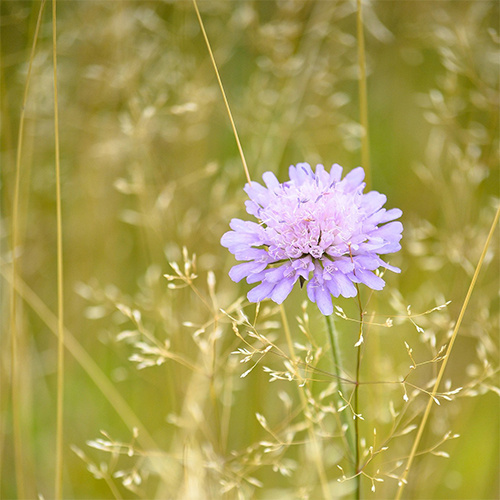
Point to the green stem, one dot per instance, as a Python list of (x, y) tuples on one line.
[(332, 335), (356, 423), (356, 397)]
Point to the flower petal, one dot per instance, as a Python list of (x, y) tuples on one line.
[(385, 265), (369, 261), (353, 180), (283, 289), (237, 239), (324, 301), (257, 193), (335, 173), (391, 231), (347, 289), (300, 173), (389, 248), (237, 273), (373, 201), (370, 279), (333, 287), (384, 215), (260, 292), (270, 179)]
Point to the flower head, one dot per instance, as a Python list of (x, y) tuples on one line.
[(316, 227)]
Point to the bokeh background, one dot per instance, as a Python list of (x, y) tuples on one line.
[(150, 166)]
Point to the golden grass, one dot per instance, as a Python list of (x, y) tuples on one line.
[(145, 167)]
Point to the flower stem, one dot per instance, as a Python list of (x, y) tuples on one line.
[(356, 422), (359, 345), (352, 435)]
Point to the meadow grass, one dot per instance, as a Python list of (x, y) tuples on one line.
[(122, 164)]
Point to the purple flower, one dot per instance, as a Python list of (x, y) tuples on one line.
[(316, 227)]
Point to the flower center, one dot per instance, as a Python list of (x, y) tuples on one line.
[(306, 220)]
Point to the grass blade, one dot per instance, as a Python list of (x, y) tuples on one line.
[(235, 132)]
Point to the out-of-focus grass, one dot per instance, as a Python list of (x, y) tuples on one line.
[(149, 165)]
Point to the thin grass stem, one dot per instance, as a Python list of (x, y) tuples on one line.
[(312, 435), (15, 383), (213, 391), (427, 412), (235, 132), (365, 161), (363, 100), (60, 291)]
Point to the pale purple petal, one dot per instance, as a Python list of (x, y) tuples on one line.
[(335, 173), (384, 215), (282, 290), (347, 289), (245, 226), (389, 248), (322, 175), (369, 261), (256, 277), (253, 208), (345, 264), (303, 266), (237, 273), (300, 172), (312, 287), (232, 238), (333, 286), (394, 269), (257, 193), (275, 275), (353, 180), (373, 201), (270, 179), (324, 300), (260, 292), (390, 231), (370, 279)]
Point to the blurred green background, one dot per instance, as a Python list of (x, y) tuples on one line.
[(150, 165)]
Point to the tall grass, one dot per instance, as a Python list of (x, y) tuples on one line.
[(58, 488), (174, 385), (15, 390)]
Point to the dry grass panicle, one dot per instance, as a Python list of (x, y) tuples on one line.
[(175, 385)]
